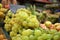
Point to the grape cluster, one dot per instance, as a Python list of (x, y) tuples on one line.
[(23, 18), (36, 34)]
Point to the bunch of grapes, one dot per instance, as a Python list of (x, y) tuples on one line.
[(19, 33), (23, 18), (32, 21), (36, 34)]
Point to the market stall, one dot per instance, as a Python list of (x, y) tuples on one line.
[(31, 22)]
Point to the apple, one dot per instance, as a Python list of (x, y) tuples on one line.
[(48, 24)]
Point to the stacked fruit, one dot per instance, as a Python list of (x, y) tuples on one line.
[(49, 25), (22, 18), (43, 16), (2, 13), (36, 34), (24, 25)]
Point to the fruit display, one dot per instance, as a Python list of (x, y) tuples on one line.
[(45, 16), (25, 25), (36, 34), (49, 25), (22, 18)]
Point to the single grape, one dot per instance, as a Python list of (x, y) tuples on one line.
[(27, 32), (40, 38), (15, 27), (56, 37), (24, 23), (12, 34), (44, 36), (8, 27), (31, 37), (52, 31), (25, 38), (37, 33)]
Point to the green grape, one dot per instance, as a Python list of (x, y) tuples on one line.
[(18, 24), (15, 27), (56, 37), (52, 31), (20, 30), (37, 33), (25, 38), (57, 33), (8, 27), (24, 10), (44, 36), (40, 38), (17, 20), (27, 32), (23, 15), (18, 35), (10, 13), (7, 19), (16, 38), (30, 24), (31, 37), (12, 34), (25, 24), (49, 36), (11, 22), (13, 38), (36, 24)]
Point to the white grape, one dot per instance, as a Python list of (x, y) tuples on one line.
[(12, 34), (37, 32), (27, 32)]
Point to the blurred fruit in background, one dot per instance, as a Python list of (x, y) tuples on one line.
[(1, 5)]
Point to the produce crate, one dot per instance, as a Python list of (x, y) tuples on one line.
[(4, 33)]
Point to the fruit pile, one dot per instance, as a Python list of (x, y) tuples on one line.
[(22, 18), (36, 34), (49, 25), (2, 13), (24, 25), (43, 16)]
